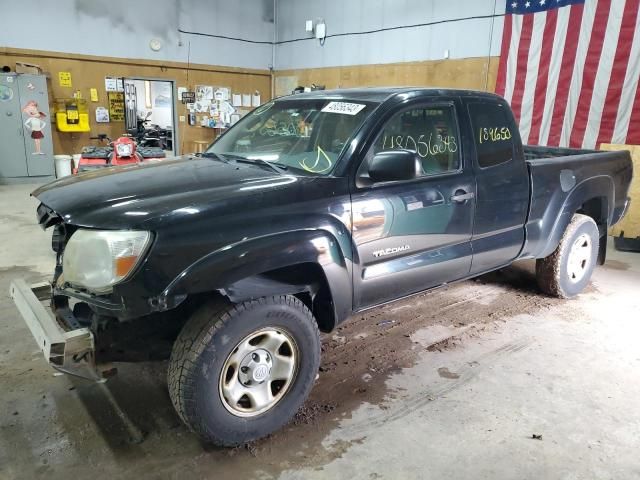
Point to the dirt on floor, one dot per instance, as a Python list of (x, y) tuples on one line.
[(130, 421)]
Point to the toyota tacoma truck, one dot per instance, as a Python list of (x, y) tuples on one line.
[(311, 208)]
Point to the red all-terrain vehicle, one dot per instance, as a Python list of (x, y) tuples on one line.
[(122, 151)]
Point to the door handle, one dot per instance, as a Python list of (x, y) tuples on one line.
[(462, 196)]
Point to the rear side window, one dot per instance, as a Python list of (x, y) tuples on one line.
[(493, 133)]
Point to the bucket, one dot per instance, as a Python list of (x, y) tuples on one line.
[(63, 165), (76, 160)]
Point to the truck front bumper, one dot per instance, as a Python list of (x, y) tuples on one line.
[(70, 351)]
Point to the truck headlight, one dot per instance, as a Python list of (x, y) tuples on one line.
[(98, 259)]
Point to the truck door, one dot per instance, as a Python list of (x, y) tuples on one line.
[(413, 235), (502, 180)]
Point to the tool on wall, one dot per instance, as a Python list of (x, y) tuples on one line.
[(130, 105)]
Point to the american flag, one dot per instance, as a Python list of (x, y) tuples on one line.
[(570, 69)]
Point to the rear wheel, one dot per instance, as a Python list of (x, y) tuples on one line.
[(568, 269), (240, 371)]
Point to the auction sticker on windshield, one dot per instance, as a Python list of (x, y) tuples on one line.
[(343, 107)]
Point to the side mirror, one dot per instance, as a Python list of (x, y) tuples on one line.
[(393, 165)]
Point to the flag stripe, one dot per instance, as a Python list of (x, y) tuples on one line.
[(621, 66), (566, 70), (539, 97), (586, 45), (512, 60), (523, 57), (591, 71), (633, 134), (629, 89), (571, 70), (554, 73), (603, 75), (533, 62), (504, 54)]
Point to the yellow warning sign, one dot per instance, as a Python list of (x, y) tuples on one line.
[(65, 79)]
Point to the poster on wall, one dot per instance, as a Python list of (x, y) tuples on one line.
[(116, 106), (204, 92), (113, 84), (188, 97), (102, 115), (64, 79), (161, 94)]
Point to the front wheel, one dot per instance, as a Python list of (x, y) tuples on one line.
[(240, 371), (567, 271)]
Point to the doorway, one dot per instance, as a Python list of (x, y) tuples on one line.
[(150, 109)]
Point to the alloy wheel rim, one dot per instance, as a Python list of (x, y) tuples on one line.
[(579, 259), (258, 372)]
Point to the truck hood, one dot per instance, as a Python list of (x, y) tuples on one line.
[(141, 196)]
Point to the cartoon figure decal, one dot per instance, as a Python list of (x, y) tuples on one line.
[(35, 124)]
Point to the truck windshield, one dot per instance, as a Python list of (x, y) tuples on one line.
[(305, 135)]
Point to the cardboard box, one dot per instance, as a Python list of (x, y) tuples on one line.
[(629, 226), (31, 68)]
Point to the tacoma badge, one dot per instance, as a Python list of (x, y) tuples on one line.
[(391, 250)]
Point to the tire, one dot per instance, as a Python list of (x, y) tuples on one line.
[(208, 355), (567, 271)]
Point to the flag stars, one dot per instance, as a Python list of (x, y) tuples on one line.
[(514, 5), (527, 4), (542, 2)]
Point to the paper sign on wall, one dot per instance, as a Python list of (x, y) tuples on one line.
[(255, 100), (188, 97), (102, 115), (113, 84), (116, 106), (93, 94), (65, 79)]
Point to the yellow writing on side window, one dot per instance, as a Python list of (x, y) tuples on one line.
[(494, 134)]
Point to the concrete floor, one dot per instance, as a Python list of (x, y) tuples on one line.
[(464, 378)]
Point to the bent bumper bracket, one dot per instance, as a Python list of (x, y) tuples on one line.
[(69, 351)]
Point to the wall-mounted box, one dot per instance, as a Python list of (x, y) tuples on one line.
[(72, 115)]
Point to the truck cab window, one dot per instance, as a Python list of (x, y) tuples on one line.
[(429, 131), (493, 133), (306, 136)]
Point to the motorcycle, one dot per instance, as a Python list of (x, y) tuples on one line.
[(151, 135), (122, 151)]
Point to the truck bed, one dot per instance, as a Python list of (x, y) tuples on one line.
[(561, 178), (535, 152)]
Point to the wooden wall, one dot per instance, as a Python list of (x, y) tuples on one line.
[(629, 226), (459, 73), (89, 72)]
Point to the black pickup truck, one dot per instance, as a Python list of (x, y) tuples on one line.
[(311, 208)]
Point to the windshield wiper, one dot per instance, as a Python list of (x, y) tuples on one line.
[(217, 156), (277, 167)]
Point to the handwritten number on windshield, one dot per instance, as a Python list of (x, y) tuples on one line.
[(321, 164), (424, 146)]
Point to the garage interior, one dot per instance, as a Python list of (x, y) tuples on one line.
[(484, 378)]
